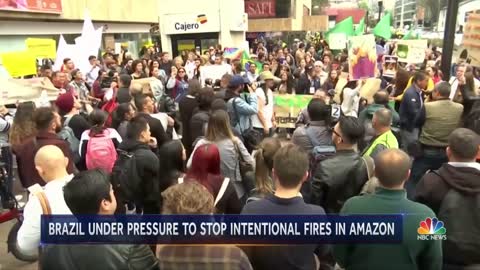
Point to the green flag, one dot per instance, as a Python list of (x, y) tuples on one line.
[(345, 27), (360, 28), (246, 60), (382, 29)]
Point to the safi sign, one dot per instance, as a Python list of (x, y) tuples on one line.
[(191, 23)]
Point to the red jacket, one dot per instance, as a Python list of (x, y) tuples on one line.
[(26, 154)]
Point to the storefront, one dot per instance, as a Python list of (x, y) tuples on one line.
[(199, 28)]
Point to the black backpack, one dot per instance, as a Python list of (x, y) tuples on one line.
[(125, 178), (460, 212)]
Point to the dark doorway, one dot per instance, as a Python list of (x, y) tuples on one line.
[(189, 42)]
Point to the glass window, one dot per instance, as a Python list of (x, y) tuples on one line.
[(185, 45), (206, 43)]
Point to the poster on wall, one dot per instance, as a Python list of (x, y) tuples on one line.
[(43, 6), (362, 57), (411, 51)]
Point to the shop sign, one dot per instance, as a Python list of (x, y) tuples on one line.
[(260, 8), (43, 6), (186, 23)]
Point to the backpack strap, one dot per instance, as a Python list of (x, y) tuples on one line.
[(67, 120), (38, 192), (222, 190), (370, 164)]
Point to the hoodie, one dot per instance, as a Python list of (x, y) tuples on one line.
[(433, 188), (370, 111), (148, 171)]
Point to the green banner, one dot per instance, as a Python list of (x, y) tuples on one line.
[(288, 107)]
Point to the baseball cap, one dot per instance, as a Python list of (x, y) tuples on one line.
[(236, 81)]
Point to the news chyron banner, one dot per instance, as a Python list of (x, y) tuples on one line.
[(221, 229)]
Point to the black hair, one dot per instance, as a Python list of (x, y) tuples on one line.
[(86, 191), (419, 76), (65, 60), (443, 88), (135, 127), (205, 98), (318, 110), (140, 100), (118, 115), (97, 119), (91, 57), (135, 63), (171, 163), (126, 80), (43, 117), (464, 144), (351, 128)]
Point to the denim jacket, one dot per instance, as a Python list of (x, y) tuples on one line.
[(245, 106)]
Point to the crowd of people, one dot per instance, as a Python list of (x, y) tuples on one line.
[(148, 136)]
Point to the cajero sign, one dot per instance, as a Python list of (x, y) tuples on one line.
[(188, 23)]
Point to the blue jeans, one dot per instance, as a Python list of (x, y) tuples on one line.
[(432, 159)]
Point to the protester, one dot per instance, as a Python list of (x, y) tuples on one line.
[(69, 108), (192, 198), (172, 164), (263, 169), (350, 98), (241, 106), (410, 107), (187, 107), (205, 169), (264, 120), (392, 169), (231, 148), (138, 70), (178, 84), (143, 147), (451, 193), (92, 75), (384, 137), (98, 144), (332, 79), (198, 123), (436, 126), (48, 123), (308, 82), (316, 132), (342, 176), (290, 170), (90, 193), (123, 92), (23, 126), (51, 165), (146, 107), (121, 116)]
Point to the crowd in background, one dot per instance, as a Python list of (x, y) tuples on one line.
[(150, 136)]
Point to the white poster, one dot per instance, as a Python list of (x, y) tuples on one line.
[(411, 51), (337, 41)]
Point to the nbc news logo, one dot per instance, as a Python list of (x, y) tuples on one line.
[(431, 229)]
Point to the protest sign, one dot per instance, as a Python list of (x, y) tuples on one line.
[(471, 39), (337, 41), (232, 53), (20, 63), (19, 90), (213, 72), (288, 107), (41, 47), (362, 57), (389, 66), (411, 51)]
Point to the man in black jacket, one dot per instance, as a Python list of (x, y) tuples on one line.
[(453, 193), (144, 148), (123, 92), (342, 176), (308, 82), (90, 193), (145, 107)]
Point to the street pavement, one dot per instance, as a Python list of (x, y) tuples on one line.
[(7, 261)]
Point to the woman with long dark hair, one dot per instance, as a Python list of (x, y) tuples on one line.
[(96, 132), (138, 70), (23, 126), (172, 163), (205, 169), (232, 149), (331, 81), (468, 96), (178, 83), (122, 114)]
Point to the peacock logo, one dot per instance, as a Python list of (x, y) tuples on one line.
[(431, 229)]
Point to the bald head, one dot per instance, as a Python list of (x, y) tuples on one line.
[(51, 163), (383, 117), (392, 168)]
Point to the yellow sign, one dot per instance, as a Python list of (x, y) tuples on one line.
[(41, 47), (20, 63)]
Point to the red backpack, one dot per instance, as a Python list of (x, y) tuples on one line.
[(101, 152), (110, 107)]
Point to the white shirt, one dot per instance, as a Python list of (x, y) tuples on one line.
[(190, 68), (473, 165), (267, 109), (28, 237), (92, 75), (351, 101), (163, 118)]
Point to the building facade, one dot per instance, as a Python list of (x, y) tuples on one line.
[(405, 13), (199, 26), (124, 21), (464, 8)]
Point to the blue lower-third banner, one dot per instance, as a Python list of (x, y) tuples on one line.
[(221, 229)]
